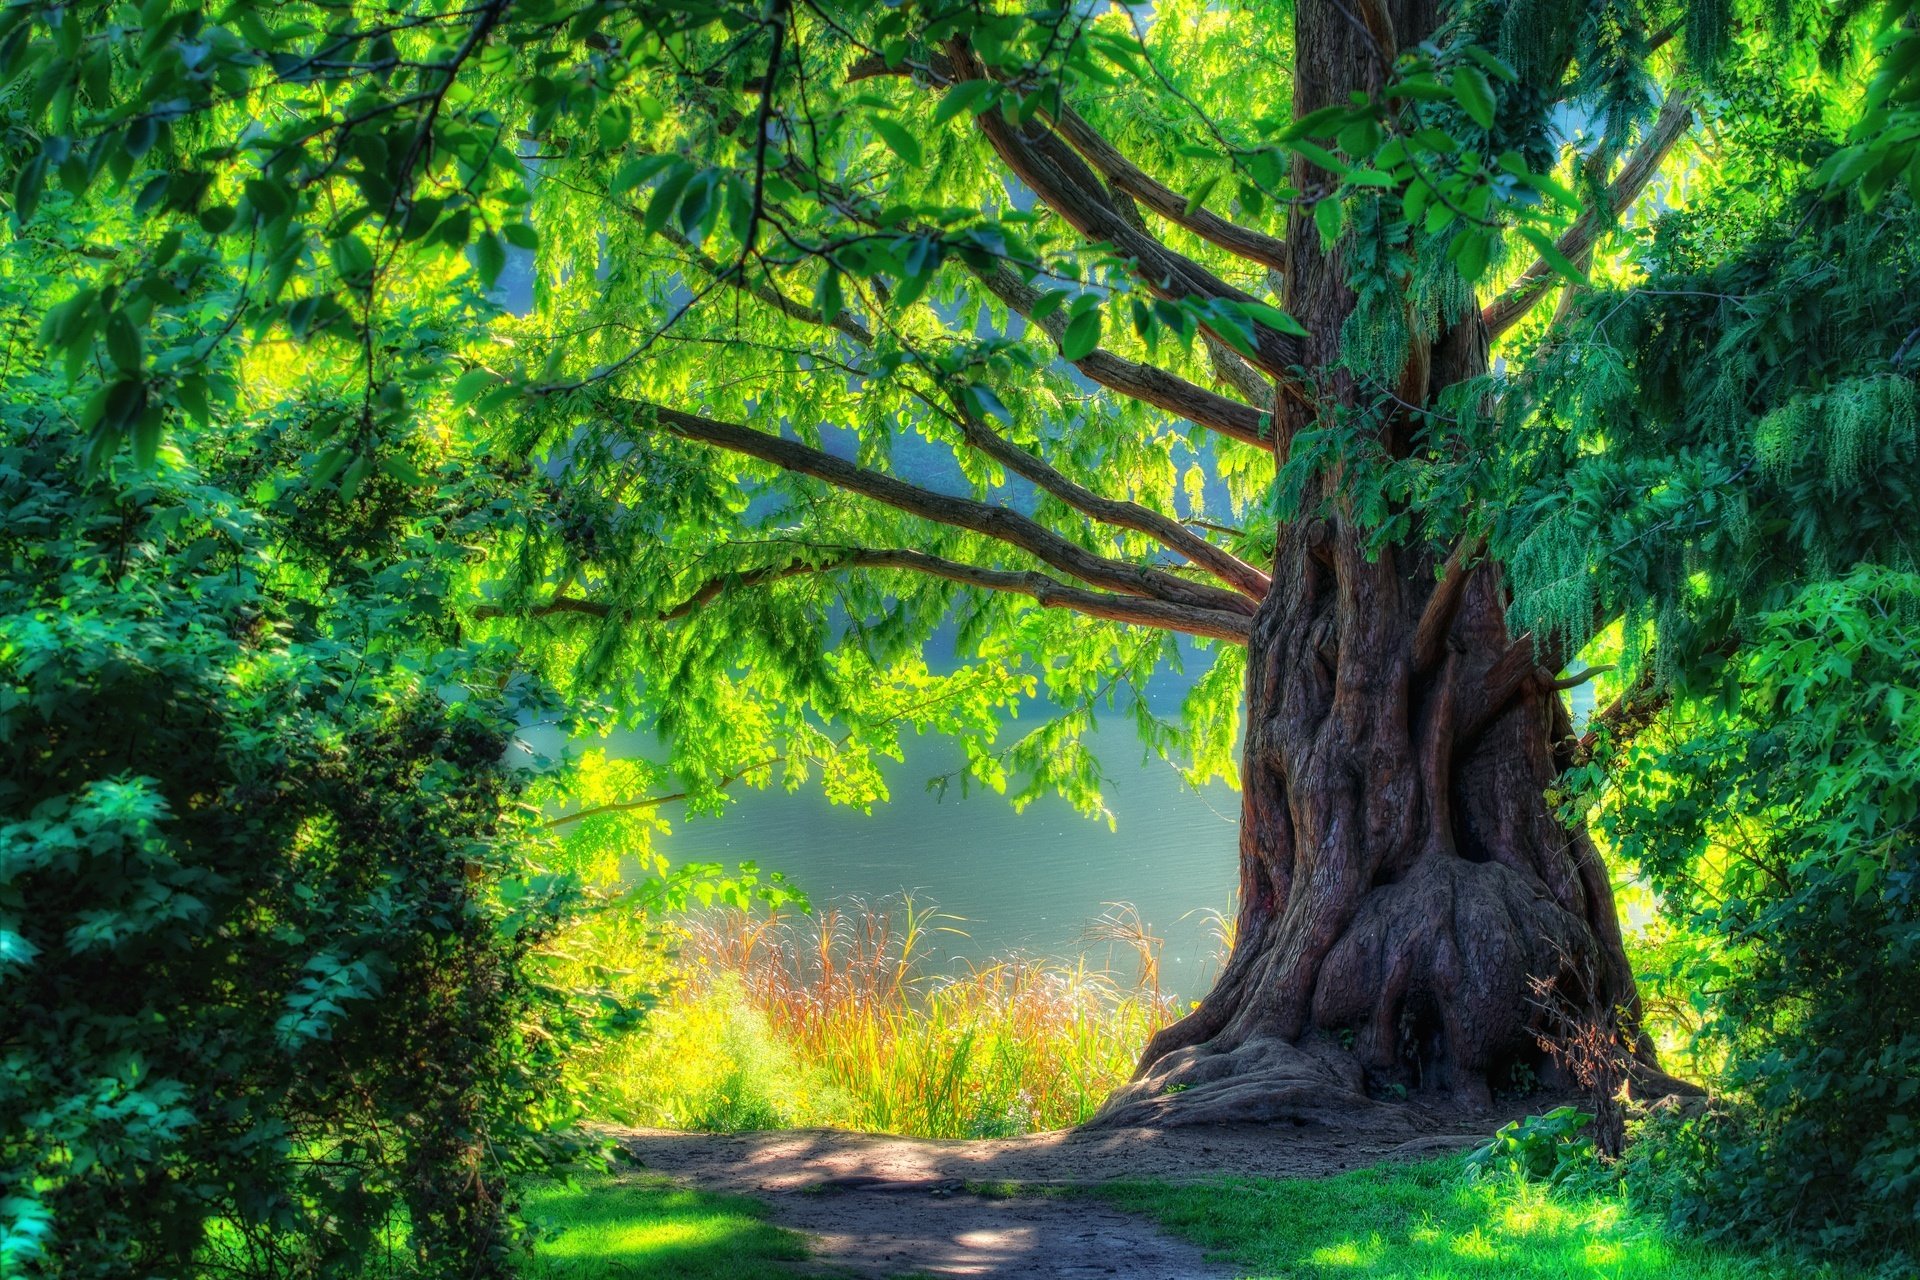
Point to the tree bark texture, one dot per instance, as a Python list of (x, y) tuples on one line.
[(1409, 903)]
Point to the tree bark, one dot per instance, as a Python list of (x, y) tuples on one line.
[(1409, 902)]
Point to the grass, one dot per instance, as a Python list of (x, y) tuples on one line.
[(637, 1226), (1426, 1222), (840, 1018)]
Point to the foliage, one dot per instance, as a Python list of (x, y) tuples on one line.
[(270, 886), (1734, 414), (812, 427), (770, 1021), (1398, 1222), (648, 1228), (1545, 1148), (1780, 822)]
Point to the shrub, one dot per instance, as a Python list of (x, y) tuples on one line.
[(1782, 823), (266, 914), (1548, 1148)]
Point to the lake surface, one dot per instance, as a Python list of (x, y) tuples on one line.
[(1030, 881)]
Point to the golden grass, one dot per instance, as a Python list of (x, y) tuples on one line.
[(780, 1019)]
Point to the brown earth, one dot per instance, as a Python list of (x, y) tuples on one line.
[(879, 1206)]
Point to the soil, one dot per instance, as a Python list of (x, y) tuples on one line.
[(879, 1206)]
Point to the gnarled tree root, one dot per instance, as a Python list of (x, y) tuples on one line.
[(1261, 1080)]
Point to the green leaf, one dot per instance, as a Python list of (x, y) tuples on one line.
[(1321, 156), (1474, 94), (898, 138), (489, 257), (27, 184), (972, 96), (666, 197), (1329, 215), (123, 342), (1273, 318), (1200, 194), (1469, 253), (1550, 251), (470, 384), (146, 436), (1498, 66), (1082, 335)]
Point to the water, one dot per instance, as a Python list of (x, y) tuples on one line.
[(1029, 882)]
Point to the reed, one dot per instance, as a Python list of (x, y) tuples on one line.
[(845, 1017)]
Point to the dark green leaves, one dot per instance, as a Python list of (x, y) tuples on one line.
[(1474, 94), (1082, 333), (898, 138)]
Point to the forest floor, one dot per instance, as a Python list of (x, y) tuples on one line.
[(877, 1206)]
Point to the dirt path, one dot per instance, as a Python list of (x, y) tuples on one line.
[(885, 1207)]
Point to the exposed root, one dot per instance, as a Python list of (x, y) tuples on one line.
[(1261, 1080)]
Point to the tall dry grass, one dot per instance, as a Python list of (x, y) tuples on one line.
[(844, 1017)]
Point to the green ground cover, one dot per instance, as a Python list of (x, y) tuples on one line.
[(1425, 1222), (640, 1226)]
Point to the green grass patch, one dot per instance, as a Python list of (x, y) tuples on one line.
[(636, 1226), (1427, 1222)]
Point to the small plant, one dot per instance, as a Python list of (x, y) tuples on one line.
[(1546, 1148)]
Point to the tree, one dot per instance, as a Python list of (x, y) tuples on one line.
[(850, 319)]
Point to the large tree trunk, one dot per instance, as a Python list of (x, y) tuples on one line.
[(1407, 894)]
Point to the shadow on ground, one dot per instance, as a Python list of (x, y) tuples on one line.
[(879, 1206)]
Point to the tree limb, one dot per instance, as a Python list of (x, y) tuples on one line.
[(1126, 515), (1436, 619), (993, 521), (1127, 177), (1147, 383), (1122, 174), (1676, 117), (1057, 174), (1048, 592)]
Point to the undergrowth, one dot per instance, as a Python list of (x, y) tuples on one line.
[(777, 1019)]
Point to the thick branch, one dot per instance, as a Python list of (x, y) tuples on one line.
[(1513, 671), (1057, 174), (1126, 515), (1127, 177), (1122, 174), (1048, 592), (1144, 382), (996, 522), (1675, 118)]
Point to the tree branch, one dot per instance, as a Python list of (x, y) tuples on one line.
[(1436, 619), (1127, 177), (1232, 626), (1000, 523), (1121, 174), (1144, 382), (1126, 515), (1057, 174), (1676, 117)]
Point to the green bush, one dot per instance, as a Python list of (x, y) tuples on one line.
[(1547, 1148), (1782, 823), (266, 915)]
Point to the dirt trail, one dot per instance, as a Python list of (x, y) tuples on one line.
[(884, 1207)]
